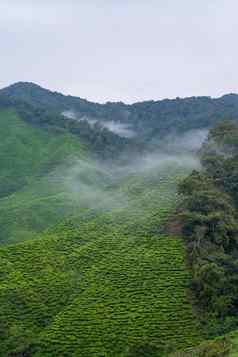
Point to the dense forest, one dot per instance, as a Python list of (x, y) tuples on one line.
[(209, 216), (150, 121)]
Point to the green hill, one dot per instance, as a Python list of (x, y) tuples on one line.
[(32, 162), (102, 284), (27, 153)]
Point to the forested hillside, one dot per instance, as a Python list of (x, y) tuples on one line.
[(150, 120), (209, 217), (118, 226)]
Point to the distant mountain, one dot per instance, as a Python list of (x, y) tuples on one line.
[(42, 108), (149, 120), (35, 95)]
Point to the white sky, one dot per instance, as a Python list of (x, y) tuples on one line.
[(128, 50)]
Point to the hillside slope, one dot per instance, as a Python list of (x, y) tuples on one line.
[(27, 152), (102, 284), (32, 196)]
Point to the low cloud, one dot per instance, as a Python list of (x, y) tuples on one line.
[(118, 128), (88, 185), (99, 185), (188, 142), (70, 114)]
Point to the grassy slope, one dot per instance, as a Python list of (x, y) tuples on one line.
[(32, 196), (102, 284)]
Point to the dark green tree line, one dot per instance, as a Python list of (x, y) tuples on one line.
[(210, 223)]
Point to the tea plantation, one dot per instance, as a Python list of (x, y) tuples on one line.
[(101, 284), (31, 160)]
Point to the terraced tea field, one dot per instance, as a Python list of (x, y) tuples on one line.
[(130, 295), (100, 284)]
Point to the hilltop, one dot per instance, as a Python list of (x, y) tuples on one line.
[(149, 120)]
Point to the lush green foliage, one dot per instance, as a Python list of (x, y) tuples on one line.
[(219, 347), (150, 120), (210, 224), (34, 163), (27, 153), (224, 346), (109, 281), (103, 284), (103, 143)]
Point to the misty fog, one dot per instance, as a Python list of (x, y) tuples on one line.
[(96, 185), (121, 129)]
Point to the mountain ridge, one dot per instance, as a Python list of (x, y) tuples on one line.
[(148, 119), (21, 85)]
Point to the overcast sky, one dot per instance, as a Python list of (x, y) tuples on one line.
[(128, 50)]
